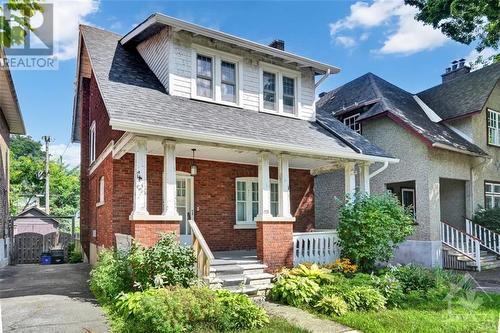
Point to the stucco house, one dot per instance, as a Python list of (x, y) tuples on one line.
[(448, 141), (11, 121), (205, 134)]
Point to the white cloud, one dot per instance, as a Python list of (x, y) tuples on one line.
[(404, 35), (68, 15), (70, 153), (345, 41), (474, 54)]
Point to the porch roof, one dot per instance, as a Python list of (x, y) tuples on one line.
[(137, 102)]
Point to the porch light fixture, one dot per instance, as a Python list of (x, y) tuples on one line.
[(194, 168)]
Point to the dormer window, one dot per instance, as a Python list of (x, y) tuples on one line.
[(279, 87), (353, 123), (228, 81), (204, 76), (493, 127)]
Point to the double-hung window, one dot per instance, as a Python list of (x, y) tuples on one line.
[(279, 90), (493, 127), (228, 81), (204, 76), (247, 199), (492, 195), (353, 123), (92, 142)]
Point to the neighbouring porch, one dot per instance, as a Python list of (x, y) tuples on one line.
[(227, 198)]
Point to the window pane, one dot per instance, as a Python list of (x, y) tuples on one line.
[(255, 209), (241, 211), (269, 94), (255, 191), (204, 67), (228, 72), (274, 199), (228, 92), (204, 87)]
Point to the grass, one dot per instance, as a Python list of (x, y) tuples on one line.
[(477, 313), (277, 325)]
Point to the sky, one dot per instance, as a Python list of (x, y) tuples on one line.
[(379, 36)]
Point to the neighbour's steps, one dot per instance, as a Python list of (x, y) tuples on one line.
[(488, 259)]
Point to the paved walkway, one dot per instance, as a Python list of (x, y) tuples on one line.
[(488, 280), (49, 299), (305, 320)]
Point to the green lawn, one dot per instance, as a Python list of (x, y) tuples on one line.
[(277, 325), (476, 314)]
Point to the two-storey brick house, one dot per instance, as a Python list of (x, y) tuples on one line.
[(178, 122)]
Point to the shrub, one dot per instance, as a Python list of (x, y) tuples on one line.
[(362, 298), (166, 263), (314, 273), (177, 309), (371, 227), (110, 277), (75, 257), (390, 288), (414, 278), (489, 218), (239, 312), (332, 305), (343, 266), (294, 290)]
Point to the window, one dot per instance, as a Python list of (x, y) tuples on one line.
[(204, 76), (352, 123), (408, 199), (288, 95), (491, 195), (100, 199), (269, 95), (247, 199), (92, 142), (228, 81), (494, 128)]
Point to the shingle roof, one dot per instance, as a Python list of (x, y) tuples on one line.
[(380, 97), (463, 95), (131, 92)]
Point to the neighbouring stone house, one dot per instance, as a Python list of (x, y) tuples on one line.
[(11, 121), (447, 139), (182, 123)]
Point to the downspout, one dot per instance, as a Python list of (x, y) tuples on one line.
[(323, 78), (379, 170)]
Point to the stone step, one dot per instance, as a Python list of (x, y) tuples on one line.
[(250, 290), (224, 262), (254, 279), (482, 258), (221, 270)]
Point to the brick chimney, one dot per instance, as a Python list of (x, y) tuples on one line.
[(278, 44), (457, 69)]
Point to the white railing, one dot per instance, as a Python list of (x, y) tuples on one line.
[(203, 254), (317, 247), (489, 239), (464, 243)]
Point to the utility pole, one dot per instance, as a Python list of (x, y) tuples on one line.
[(47, 140)]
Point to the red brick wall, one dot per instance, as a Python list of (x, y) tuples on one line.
[(147, 233), (214, 198), (275, 244), (84, 161)]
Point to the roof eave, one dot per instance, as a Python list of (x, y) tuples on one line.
[(14, 118), (131, 37), (458, 150)]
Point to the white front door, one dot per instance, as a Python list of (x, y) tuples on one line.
[(185, 206)]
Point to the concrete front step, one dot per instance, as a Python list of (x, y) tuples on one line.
[(488, 260), (253, 279), (221, 270), (258, 290)]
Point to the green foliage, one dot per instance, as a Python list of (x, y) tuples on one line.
[(489, 218), (13, 30), (314, 273), (75, 257), (332, 305), (239, 312), (414, 278), (363, 298), (390, 288), (294, 290), (178, 309), (166, 263), (463, 21), (371, 227), (110, 277)]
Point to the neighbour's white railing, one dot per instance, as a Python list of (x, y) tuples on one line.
[(317, 247), (464, 243), (489, 239), (203, 254)]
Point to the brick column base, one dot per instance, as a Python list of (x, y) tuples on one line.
[(275, 244), (147, 233)]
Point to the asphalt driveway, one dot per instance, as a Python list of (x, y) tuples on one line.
[(53, 298)]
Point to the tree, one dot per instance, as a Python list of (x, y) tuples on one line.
[(463, 20), (15, 25)]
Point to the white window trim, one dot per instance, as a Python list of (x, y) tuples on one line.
[(248, 224), (92, 142), (279, 72), (414, 204), (491, 195), (101, 192), (217, 57), (497, 113), (355, 121)]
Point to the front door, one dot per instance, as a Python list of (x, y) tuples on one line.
[(185, 206)]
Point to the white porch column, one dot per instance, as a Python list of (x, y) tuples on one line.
[(169, 181), (140, 179), (350, 180), (364, 177), (264, 187), (283, 187)]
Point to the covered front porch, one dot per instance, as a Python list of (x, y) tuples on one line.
[(239, 198)]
